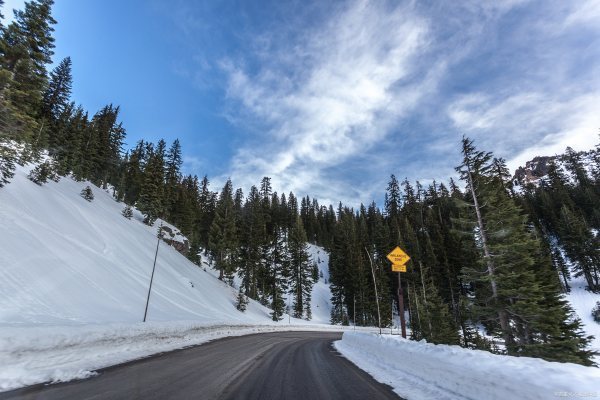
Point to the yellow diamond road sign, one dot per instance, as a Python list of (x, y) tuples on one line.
[(398, 267), (398, 256)]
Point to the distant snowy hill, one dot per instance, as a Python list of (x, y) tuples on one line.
[(67, 261), (537, 168)]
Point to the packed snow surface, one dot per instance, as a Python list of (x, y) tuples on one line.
[(419, 371)]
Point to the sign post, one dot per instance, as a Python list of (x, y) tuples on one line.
[(399, 259)]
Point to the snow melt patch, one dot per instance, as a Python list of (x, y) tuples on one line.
[(419, 371)]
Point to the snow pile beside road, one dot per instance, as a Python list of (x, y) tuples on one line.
[(53, 354), (419, 370)]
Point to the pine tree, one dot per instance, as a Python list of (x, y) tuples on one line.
[(28, 48), (133, 175), (57, 94), (253, 246), (172, 177), (242, 301), (206, 212), (223, 238), (151, 196), (278, 264), (87, 193), (8, 158), (127, 212), (42, 172), (106, 148), (300, 271)]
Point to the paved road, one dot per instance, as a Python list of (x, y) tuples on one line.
[(283, 365)]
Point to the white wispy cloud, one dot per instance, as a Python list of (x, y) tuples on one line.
[(330, 108), (585, 12), (341, 102), (553, 102), (528, 124)]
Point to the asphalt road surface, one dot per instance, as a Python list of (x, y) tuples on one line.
[(282, 365)]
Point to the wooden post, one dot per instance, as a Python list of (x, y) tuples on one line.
[(401, 305)]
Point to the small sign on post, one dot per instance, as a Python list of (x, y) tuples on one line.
[(398, 267)]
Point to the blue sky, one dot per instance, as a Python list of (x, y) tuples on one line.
[(330, 98)]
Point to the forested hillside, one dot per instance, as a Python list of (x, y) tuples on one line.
[(490, 261), (486, 260)]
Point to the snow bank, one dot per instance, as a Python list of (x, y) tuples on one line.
[(53, 354), (419, 370)]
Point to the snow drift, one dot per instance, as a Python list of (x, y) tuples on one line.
[(54, 354), (419, 370)]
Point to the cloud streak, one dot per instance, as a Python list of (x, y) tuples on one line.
[(341, 103), (333, 99)]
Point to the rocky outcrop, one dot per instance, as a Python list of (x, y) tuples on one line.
[(175, 239), (533, 170)]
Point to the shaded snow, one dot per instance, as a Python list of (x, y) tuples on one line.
[(321, 293), (320, 302), (583, 302)]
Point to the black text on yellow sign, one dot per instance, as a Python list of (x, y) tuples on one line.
[(398, 267), (398, 256)]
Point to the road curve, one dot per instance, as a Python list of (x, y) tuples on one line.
[(282, 365)]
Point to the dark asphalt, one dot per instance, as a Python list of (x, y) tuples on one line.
[(283, 365)]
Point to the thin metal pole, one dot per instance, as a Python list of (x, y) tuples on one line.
[(376, 295), (152, 276)]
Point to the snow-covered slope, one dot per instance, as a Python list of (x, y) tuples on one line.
[(65, 260)]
